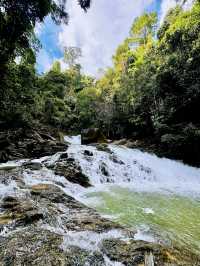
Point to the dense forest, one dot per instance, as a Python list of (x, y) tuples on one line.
[(150, 95)]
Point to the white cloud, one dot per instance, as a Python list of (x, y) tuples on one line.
[(44, 61), (99, 31), (39, 27)]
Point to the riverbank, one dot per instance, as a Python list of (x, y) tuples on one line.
[(30, 142)]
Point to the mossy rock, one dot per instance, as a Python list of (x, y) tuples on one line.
[(103, 147)]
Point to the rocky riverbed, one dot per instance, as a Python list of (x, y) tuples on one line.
[(41, 222)]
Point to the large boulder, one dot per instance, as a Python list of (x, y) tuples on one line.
[(34, 166), (72, 173), (92, 135)]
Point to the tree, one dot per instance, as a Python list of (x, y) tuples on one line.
[(18, 19), (71, 55), (143, 27), (56, 67), (85, 4)]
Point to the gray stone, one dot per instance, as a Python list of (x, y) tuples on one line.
[(32, 165)]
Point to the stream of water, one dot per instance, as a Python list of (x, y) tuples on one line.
[(158, 197)]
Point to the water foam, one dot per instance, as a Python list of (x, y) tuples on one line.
[(73, 139), (136, 170), (89, 240)]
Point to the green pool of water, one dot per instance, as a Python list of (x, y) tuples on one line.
[(170, 218)]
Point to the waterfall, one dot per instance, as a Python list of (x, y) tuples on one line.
[(135, 169)]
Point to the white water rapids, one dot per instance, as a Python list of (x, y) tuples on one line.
[(135, 169)]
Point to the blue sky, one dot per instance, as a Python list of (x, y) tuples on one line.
[(97, 32)]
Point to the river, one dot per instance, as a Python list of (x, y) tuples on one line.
[(158, 197)]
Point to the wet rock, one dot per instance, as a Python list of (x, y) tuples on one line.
[(32, 216), (19, 211), (5, 219), (92, 135), (9, 202), (32, 165), (104, 170), (33, 220), (131, 144), (114, 158), (96, 259), (82, 218), (50, 192), (88, 220), (76, 256), (49, 204), (63, 156), (8, 167), (147, 170), (133, 253), (88, 153), (103, 147), (46, 148), (15, 175), (70, 160), (32, 246), (79, 217), (76, 216), (60, 184), (72, 173)]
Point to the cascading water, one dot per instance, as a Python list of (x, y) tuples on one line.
[(158, 196), (139, 170)]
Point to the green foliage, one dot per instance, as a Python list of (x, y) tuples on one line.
[(24, 96), (56, 67), (18, 19), (144, 27), (18, 108), (57, 96), (153, 90)]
